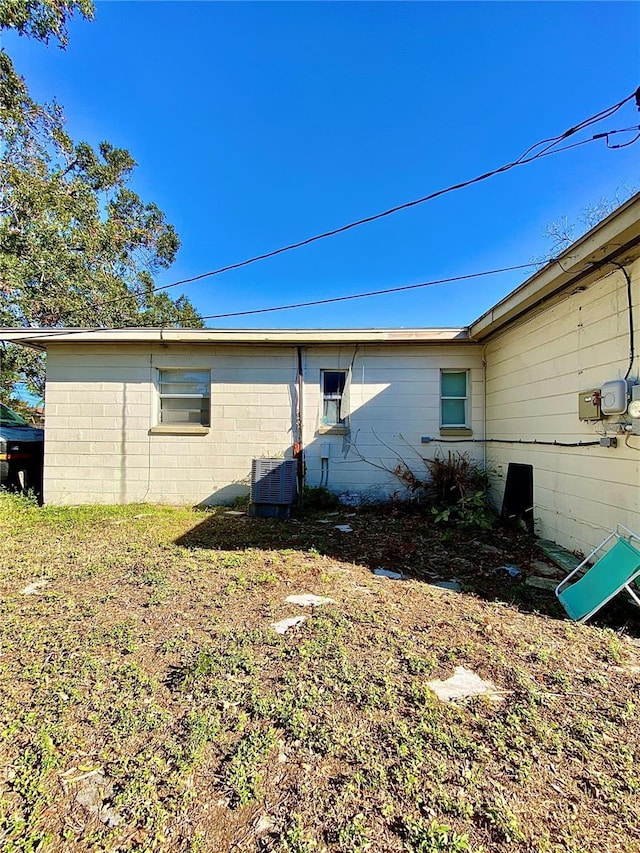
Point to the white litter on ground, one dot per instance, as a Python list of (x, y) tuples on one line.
[(309, 600), (32, 588), (265, 824), (452, 585), (463, 684), (283, 626), (344, 528), (388, 573)]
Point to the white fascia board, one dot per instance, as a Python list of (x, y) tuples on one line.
[(43, 338)]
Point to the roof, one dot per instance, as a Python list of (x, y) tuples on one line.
[(44, 338), (614, 240)]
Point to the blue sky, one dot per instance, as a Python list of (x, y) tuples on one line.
[(258, 124)]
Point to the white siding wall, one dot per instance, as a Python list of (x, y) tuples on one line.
[(101, 403), (534, 372)]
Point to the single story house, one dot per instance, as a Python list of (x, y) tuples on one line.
[(178, 415)]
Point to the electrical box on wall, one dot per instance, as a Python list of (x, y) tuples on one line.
[(613, 397), (589, 405)]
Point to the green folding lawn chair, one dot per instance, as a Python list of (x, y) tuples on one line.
[(615, 569)]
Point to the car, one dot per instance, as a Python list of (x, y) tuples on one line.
[(21, 453)]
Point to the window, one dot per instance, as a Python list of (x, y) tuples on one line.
[(333, 382), (454, 398), (185, 397)]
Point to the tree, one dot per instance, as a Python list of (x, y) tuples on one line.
[(43, 19), (562, 233), (77, 246)]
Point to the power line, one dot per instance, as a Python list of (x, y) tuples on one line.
[(526, 157), (374, 292), (57, 332), (61, 331)]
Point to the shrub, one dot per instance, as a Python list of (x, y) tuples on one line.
[(454, 478), (318, 497), (457, 488)]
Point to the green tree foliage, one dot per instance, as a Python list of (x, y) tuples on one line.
[(42, 19), (77, 246)]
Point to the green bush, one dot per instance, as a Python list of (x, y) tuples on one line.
[(318, 498), (457, 490)]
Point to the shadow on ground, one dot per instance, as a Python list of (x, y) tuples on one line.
[(408, 542)]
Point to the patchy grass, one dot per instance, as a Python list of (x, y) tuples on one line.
[(146, 703)]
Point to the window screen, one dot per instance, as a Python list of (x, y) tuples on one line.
[(185, 396)]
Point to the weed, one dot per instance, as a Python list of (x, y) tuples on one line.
[(159, 583), (231, 657), (244, 776), (435, 838), (353, 836), (614, 651), (503, 821), (294, 839), (123, 636), (318, 498), (467, 511), (417, 665), (266, 577), (177, 643)]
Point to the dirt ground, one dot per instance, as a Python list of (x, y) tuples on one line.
[(148, 703)]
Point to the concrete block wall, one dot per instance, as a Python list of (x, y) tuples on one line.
[(102, 405), (394, 400)]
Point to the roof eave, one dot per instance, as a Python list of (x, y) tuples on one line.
[(581, 263), (44, 338)]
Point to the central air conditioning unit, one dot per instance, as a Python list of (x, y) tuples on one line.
[(273, 487)]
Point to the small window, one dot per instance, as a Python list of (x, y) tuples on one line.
[(333, 382), (185, 397), (454, 398)]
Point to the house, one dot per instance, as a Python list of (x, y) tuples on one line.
[(175, 415)]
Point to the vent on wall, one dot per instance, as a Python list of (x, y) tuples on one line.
[(273, 487)]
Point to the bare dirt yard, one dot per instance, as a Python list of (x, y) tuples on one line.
[(147, 702)]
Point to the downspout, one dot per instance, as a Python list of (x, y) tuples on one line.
[(484, 406), (298, 445)]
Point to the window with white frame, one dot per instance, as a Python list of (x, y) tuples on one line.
[(454, 398), (185, 397), (333, 383)]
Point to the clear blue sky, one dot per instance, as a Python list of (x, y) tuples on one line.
[(259, 124)]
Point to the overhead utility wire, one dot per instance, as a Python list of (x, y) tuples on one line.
[(594, 119), (373, 292), (522, 160), (57, 332)]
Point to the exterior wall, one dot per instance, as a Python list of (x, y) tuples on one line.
[(393, 401), (534, 372), (102, 403)]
